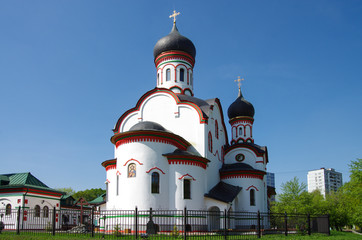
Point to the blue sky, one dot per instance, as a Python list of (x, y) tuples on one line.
[(70, 69)]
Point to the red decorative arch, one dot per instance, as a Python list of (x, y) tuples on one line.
[(187, 175), (252, 186), (132, 159), (155, 168)]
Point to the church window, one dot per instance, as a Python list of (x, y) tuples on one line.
[(191, 79), (155, 182), (210, 142), (106, 191), (117, 185), (168, 74), (187, 189), (216, 130), (37, 211), (158, 79), (241, 131), (182, 75), (45, 212), (8, 209), (132, 170), (252, 197)]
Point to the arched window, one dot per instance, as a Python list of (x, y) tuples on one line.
[(132, 170), (252, 197), (8, 209), (187, 189), (158, 79), (46, 212), (241, 131), (155, 182), (191, 79), (107, 191), (37, 211), (216, 130), (168, 74), (117, 185), (210, 142), (182, 75)]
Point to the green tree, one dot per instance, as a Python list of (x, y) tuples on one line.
[(68, 191), (293, 198), (89, 194), (352, 192), (338, 209)]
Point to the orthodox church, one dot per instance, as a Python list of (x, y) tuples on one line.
[(172, 149)]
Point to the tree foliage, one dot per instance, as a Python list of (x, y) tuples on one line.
[(344, 206), (68, 191), (352, 194), (89, 194)]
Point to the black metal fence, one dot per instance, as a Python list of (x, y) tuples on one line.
[(152, 224)]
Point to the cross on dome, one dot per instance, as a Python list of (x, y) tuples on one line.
[(174, 15), (239, 84)]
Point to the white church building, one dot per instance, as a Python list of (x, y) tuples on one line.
[(172, 149)]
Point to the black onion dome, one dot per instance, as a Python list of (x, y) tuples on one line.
[(241, 108), (174, 41), (147, 125)]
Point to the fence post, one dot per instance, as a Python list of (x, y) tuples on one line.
[(104, 225), (286, 223), (53, 221), (259, 229), (92, 224), (225, 223), (185, 223), (136, 223), (308, 222), (329, 229), (18, 221)]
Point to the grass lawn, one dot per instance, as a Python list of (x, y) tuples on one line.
[(334, 236)]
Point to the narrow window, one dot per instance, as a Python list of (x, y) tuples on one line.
[(241, 131), (191, 79), (107, 191), (168, 75), (158, 79), (8, 209), (155, 183), (117, 185), (45, 212), (132, 170), (216, 130), (187, 189), (182, 75), (252, 197), (210, 142), (37, 211)]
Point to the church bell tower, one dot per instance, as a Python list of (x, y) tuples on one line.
[(174, 57)]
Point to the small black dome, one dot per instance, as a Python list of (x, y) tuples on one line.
[(147, 125), (241, 108), (174, 41)]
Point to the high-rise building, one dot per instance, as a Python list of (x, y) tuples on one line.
[(324, 180)]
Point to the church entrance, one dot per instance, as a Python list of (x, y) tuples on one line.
[(213, 219)]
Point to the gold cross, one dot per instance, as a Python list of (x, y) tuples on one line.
[(239, 81), (174, 15)]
